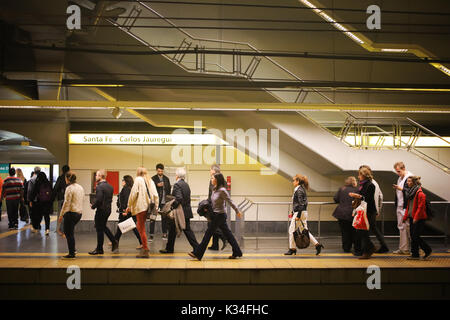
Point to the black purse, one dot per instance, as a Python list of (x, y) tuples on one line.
[(301, 238)]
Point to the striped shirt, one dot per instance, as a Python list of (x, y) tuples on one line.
[(12, 188)]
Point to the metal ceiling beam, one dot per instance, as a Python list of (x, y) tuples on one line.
[(221, 106)]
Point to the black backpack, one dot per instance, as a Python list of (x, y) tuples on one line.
[(205, 208)]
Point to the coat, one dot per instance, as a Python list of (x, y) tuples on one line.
[(419, 211), (103, 197), (344, 209), (160, 190), (182, 194), (139, 199), (299, 200), (367, 190)]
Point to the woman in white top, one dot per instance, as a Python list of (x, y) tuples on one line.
[(71, 210), (142, 195)]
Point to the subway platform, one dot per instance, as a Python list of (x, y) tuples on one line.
[(32, 268)]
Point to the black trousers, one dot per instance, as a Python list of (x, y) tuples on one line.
[(101, 218), (165, 222), (190, 236), (374, 229), (35, 215), (416, 230), (219, 220), (349, 238), (215, 238), (364, 237), (119, 233), (44, 210), (70, 220), (12, 208)]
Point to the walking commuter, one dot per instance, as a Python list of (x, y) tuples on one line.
[(219, 219), (143, 194), (122, 204), (343, 213), (182, 194), (416, 213), (42, 206), (12, 192), (71, 210), (163, 187), (58, 194), (23, 208), (1, 202), (103, 198), (401, 190), (366, 192), (299, 215), (32, 199), (378, 196), (218, 233)]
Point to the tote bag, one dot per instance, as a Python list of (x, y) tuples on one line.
[(127, 225), (301, 238), (360, 220)]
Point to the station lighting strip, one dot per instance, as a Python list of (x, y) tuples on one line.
[(367, 44)]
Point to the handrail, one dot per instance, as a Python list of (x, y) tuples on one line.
[(427, 130)]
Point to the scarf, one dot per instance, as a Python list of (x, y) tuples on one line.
[(361, 184), (412, 192)]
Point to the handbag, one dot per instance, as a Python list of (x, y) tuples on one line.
[(301, 238), (23, 212), (126, 225), (151, 212), (360, 221)]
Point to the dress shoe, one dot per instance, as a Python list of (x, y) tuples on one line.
[(382, 249), (115, 246), (225, 242), (319, 248), (96, 252), (291, 252), (69, 256), (213, 248), (191, 254), (234, 257), (144, 253), (165, 251)]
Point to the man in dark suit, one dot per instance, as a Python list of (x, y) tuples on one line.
[(218, 233), (103, 198), (163, 187), (182, 194)]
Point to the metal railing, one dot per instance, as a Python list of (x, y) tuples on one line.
[(244, 66), (246, 204)]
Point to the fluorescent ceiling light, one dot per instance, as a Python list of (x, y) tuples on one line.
[(394, 50)]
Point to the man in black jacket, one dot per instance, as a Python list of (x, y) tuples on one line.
[(58, 194), (103, 198), (182, 194), (163, 187)]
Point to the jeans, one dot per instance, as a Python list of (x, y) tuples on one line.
[(219, 220), (119, 233), (101, 218), (416, 241), (70, 220), (140, 225), (12, 208)]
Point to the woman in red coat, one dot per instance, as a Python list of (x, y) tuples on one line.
[(417, 214)]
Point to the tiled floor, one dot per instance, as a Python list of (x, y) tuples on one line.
[(24, 249)]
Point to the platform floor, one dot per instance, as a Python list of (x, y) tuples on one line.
[(24, 249)]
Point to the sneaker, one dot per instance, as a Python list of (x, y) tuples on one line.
[(47, 232), (164, 236), (400, 252)]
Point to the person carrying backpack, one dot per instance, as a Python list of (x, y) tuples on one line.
[(43, 205), (416, 213)]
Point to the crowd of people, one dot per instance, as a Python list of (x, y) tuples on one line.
[(143, 196)]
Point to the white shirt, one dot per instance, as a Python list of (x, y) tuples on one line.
[(401, 183), (378, 196)]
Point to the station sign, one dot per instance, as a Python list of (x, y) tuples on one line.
[(144, 139)]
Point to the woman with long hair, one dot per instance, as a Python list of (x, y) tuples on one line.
[(142, 195), (416, 213), (23, 210), (299, 215), (43, 194), (366, 192), (219, 197), (71, 210), (122, 203)]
